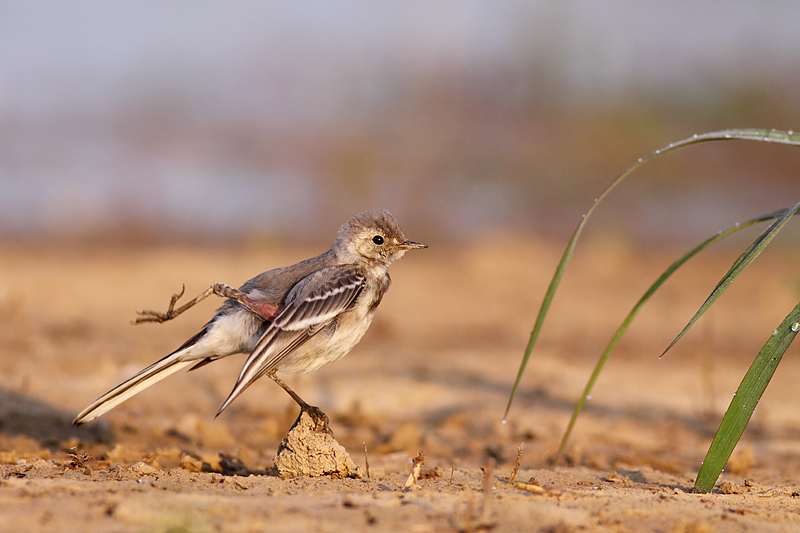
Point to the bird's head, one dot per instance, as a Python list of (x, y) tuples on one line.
[(374, 236)]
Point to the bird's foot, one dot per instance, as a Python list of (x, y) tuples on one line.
[(321, 421), (266, 311), (156, 316)]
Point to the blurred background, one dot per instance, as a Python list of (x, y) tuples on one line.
[(194, 120), (148, 144)]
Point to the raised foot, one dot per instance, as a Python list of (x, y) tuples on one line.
[(156, 316), (220, 289)]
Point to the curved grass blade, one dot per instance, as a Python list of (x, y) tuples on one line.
[(772, 136), (741, 263), (636, 308), (745, 400)]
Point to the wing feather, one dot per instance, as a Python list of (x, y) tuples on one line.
[(310, 306)]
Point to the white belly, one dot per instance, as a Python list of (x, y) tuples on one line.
[(327, 346)]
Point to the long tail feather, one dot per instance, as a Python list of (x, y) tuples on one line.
[(149, 376), (152, 374)]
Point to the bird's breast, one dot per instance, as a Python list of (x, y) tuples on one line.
[(340, 336), (373, 292)]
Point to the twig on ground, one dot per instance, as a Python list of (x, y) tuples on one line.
[(533, 488), (366, 459), (513, 477), (416, 465), (79, 460)]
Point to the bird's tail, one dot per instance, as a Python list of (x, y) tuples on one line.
[(149, 376)]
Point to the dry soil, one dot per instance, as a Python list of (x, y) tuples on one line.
[(433, 373)]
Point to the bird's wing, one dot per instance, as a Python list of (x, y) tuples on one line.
[(310, 306)]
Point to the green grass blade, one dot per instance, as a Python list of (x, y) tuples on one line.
[(741, 263), (772, 136), (745, 400), (636, 308)]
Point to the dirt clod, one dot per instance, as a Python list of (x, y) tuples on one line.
[(309, 452)]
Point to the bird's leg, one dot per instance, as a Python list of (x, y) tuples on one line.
[(320, 419), (220, 289)]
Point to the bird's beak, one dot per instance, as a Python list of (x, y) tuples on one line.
[(411, 245)]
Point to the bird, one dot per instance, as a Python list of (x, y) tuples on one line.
[(293, 319)]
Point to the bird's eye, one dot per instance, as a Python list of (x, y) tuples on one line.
[(377, 239)]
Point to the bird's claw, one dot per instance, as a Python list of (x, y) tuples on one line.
[(153, 316), (321, 421), (156, 316)]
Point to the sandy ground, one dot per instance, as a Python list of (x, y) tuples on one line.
[(432, 374)]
